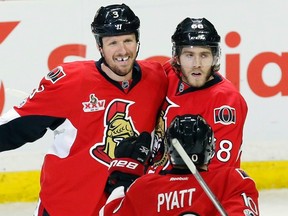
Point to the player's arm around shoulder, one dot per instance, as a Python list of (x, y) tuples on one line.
[(154, 78), (240, 195), (131, 158), (162, 78), (153, 69)]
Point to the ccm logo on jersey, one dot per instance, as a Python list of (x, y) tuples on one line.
[(55, 75), (225, 115), (124, 163)]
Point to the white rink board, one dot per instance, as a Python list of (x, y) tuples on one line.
[(46, 25)]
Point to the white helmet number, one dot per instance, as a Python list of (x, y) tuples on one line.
[(115, 14), (197, 26)]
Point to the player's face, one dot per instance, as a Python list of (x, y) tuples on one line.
[(120, 53), (196, 65)]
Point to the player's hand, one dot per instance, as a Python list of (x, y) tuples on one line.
[(131, 156), (136, 148)]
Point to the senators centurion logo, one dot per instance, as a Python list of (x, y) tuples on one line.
[(118, 126), (225, 115)]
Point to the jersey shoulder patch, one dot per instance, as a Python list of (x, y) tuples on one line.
[(55, 74)]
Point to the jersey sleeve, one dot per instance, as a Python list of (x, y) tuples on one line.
[(54, 94), (241, 195), (229, 116), (16, 132), (45, 108)]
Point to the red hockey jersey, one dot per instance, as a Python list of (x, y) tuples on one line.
[(219, 103), (181, 194), (90, 114)]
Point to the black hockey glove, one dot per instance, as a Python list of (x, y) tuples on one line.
[(131, 156)]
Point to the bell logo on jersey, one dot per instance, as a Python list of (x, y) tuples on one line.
[(94, 104), (225, 115), (55, 74)]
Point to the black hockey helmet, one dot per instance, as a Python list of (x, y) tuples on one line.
[(112, 20), (195, 136), (197, 32)]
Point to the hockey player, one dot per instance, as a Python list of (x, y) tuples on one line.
[(91, 106), (177, 192), (196, 87)]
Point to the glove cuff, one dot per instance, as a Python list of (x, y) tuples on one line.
[(127, 165)]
